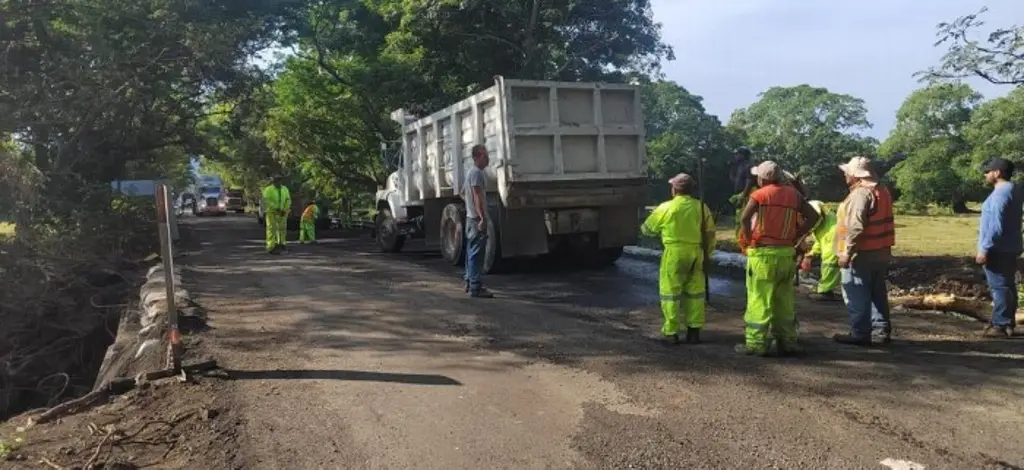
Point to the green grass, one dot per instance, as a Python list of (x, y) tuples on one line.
[(916, 235)]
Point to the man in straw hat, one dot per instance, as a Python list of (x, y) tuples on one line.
[(865, 235), (687, 232), (771, 242)]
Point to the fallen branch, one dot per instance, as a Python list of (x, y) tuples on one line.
[(49, 463), (974, 308), (188, 369)]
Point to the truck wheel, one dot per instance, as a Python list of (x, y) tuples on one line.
[(453, 246), (387, 232), (492, 257)]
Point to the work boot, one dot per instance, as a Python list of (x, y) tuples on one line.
[(481, 293), (824, 297), (742, 349), (992, 332), (672, 339), (692, 335), (850, 340)]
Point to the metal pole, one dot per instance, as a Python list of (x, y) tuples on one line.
[(166, 254), (703, 228)]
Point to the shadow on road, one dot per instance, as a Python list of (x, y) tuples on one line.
[(352, 375)]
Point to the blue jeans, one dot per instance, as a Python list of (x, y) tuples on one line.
[(867, 300), (476, 248), (1000, 273)]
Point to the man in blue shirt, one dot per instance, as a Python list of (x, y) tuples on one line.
[(1000, 244)]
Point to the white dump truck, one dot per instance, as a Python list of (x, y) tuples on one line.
[(567, 172)]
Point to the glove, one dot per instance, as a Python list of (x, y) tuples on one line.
[(805, 265)]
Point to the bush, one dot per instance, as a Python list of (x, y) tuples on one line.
[(59, 277)]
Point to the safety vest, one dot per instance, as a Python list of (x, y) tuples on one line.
[(277, 199), (778, 215), (879, 230), (308, 213), (678, 221)]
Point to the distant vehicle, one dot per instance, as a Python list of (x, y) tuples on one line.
[(567, 173), (212, 201), (236, 201)]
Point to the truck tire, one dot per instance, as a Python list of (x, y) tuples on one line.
[(492, 256), (387, 232), (453, 238)]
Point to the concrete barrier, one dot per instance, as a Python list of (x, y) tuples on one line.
[(142, 342)]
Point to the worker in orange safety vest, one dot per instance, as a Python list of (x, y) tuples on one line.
[(771, 226), (865, 235), (307, 224)]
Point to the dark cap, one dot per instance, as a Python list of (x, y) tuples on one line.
[(999, 164), (744, 150)]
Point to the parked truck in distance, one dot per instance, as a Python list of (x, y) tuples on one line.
[(567, 172), (236, 200)]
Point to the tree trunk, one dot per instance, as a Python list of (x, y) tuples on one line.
[(960, 206)]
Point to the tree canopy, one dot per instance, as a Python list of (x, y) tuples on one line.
[(808, 130)]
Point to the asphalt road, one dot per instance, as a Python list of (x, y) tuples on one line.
[(349, 358)]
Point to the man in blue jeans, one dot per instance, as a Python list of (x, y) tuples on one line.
[(865, 235), (1000, 244), (474, 194)]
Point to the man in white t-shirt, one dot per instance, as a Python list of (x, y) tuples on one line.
[(474, 193)]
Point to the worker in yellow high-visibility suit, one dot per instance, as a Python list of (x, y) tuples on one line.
[(824, 232), (680, 223), (277, 204), (307, 225), (772, 224)]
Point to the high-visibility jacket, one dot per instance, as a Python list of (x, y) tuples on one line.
[(311, 212), (778, 215), (678, 222), (824, 233), (277, 198), (879, 229)]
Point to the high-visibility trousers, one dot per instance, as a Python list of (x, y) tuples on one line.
[(829, 276), (771, 306), (307, 231), (277, 230), (681, 285)]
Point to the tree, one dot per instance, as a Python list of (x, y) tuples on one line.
[(97, 90), (237, 147), (995, 129), (679, 130), (930, 130), (999, 59), (807, 130), (356, 61)]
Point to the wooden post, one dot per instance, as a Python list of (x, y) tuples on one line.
[(163, 216)]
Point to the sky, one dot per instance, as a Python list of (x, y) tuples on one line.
[(728, 51)]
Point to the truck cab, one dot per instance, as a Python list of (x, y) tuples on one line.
[(236, 201), (211, 201)]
